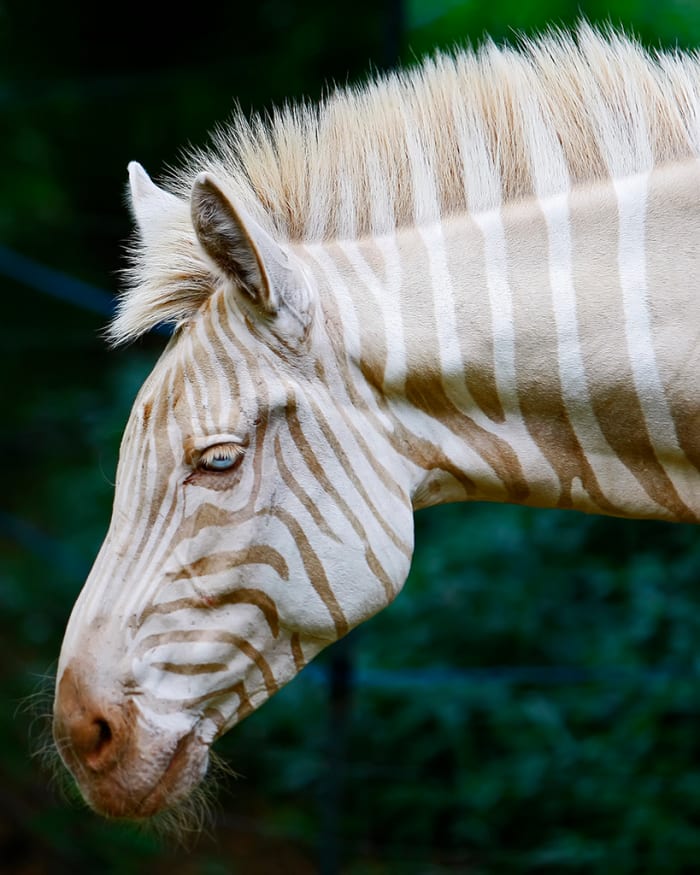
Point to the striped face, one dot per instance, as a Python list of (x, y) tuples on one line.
[(243, 539)]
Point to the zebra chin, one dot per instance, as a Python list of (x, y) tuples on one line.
[(125, 766)]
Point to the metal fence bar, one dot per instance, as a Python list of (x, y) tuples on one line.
[(54, 282)]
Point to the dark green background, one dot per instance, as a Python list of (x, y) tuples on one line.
[(531, 702)]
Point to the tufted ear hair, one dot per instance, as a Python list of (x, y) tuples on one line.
[(243, 251)]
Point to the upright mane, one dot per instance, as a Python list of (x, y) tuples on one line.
[(461, 132)]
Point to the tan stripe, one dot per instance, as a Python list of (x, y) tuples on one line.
[(425, 384), (297, 652), (418, 450), (473, 314), (221, 316), (191, 669), (228, 559), (371, 457), (299, 493), (320, 474), (673, 265), (378, 570), (609, 373), (206, 516), (316, 468), (193, 352), (421, 452), (271, 685), (217, 718), (245, 706), (349, 469), (178, 404), (242, 596), (426, 456), (200, 636), (163, 462), (424, 391), (191, 526), (373, 346), (314, 570), (537, 357), (257, 446), (146, 413), (431, 457)]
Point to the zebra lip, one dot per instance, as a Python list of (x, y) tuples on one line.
[(166, 791), (119, 794)]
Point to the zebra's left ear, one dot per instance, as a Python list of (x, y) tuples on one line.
[(247, 255)]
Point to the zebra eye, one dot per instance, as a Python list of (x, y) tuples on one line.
[(220, 458)]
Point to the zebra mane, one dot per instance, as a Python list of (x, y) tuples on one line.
[(467, 131)]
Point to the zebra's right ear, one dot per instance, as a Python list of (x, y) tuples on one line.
[(243, 252)]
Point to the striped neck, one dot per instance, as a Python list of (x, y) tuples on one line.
[(533, 354)]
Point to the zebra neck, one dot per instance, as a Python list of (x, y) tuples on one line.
[(546, 352)]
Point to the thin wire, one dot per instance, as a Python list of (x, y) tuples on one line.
[(54, 282)]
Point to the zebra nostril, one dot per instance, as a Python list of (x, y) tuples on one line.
[(84, 728), (91, 740), (104, 735)]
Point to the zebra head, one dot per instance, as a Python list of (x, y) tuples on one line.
[(261, 508)]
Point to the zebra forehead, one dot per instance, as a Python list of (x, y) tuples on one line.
[(185, 392), (459, 132)]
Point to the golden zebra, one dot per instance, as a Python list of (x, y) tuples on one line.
[(473, 280)]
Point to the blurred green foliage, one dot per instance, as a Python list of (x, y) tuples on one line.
[(529, 704)]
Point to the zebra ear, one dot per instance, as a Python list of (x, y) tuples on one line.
[(242, 250), (149, 204)]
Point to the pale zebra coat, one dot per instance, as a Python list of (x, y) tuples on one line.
[(472, 280)]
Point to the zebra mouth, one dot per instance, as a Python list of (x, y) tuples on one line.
[(131, 791), (185, 769)]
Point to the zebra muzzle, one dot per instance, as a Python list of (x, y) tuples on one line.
[(124, 767)]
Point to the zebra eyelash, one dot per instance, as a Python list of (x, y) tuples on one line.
[(219, 458)]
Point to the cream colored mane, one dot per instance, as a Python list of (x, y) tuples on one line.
[(461, 132)]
